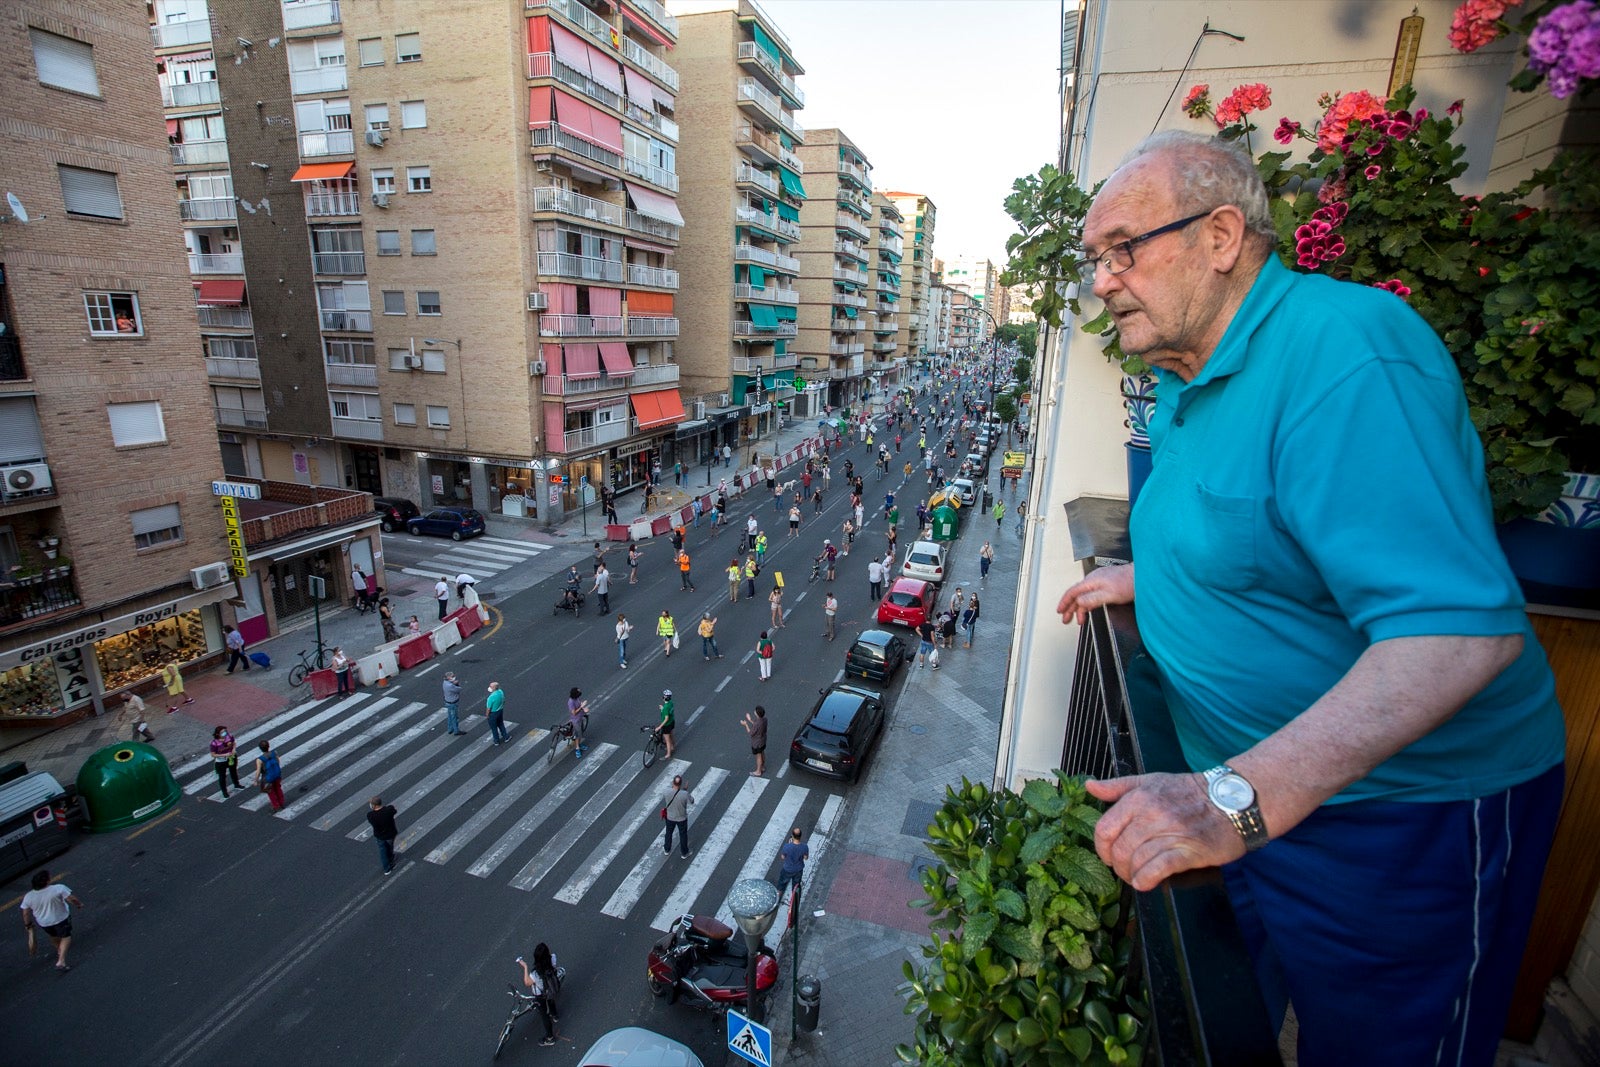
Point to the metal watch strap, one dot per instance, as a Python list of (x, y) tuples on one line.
[(1251, 826)]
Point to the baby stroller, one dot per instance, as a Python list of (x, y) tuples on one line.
[(571, 600)]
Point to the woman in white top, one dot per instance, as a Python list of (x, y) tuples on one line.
[(624, 628)]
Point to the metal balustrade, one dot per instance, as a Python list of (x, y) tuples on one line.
[(549, 135), (547, 198), (587, 268), (191, 94)]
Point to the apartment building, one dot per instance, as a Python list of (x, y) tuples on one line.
[(467, 297), (742, 194), (113, 560), (918, 328), (980, 279), (888, 249), (835, 251)]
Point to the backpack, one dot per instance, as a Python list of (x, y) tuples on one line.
[(271, 770)]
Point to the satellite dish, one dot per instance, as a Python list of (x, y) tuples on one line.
[(18, 212)]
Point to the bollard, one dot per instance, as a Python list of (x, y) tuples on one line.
[(809, 998)]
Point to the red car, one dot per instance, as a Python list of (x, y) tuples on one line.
[(908, 603)]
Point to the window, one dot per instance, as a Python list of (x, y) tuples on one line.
[(422, 243), (427, 302), (371, 51), (90, 192), (405, 414), (64, 63), (113, 314), (377, 117), (433, 361), (413, 115), (438, 417), (136, 424), (408, 48), (419, 179), (383, 182), (394, 302), (364, 407), (156, 526), (388, 242)]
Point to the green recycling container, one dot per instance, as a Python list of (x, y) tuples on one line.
[(126, 784), (945, 523)]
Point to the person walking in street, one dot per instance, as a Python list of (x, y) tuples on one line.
[(49, 908), (624, 630), (925, 632), (683, 570), (172, 678), (494, 709), (452, 704), (830, 611), (1022, 515), (727, 456), (999, 513), (441, 593), (697, 507), (386, 620), (755, 725), (816, 500), (794, 853), (235, 642), (751, 569), (381, 818), (751, 528), (541, 982), (794, 520), (269, 775), (775, 598), (735, 575), (668, 721), (985, 561), (764, 653), (358, 586), (667, 630), (875, 578), (224, 759), (602, 586), (708, 637), (761, 549), (341, 670), (830, 560), (133, 717), (633, 563), (676, 812), (969, 620)]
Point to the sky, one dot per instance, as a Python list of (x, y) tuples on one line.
[(952, 98)]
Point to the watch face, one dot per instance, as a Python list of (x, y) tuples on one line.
[(1232, 792)]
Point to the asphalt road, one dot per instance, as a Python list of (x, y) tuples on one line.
[(220, 934)]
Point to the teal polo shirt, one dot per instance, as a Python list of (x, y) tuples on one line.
[(1316, 488)]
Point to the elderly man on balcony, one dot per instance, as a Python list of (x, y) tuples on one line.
[(1373, 728)]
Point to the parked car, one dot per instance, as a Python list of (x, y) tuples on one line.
[(454, 523), (908, 602), (632, 1046), (877, 654), (925, 560), (840, 731), (979, 464), (966, 489), (395, 511)]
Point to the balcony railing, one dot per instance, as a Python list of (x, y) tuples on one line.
[(787, 264), (790, 123), (175, 34), (580, 325), (883, 346), (563, 385), (851, 170), (748, 175), (770, 295), (758, 94), (208, 209), (749, 50), (845, 274), (358, 429), (322, 205), (314, 143), (760, 220), (635, 53), (741, 328), (587, 268), (237, 318), (652, 118), (365, 374), (191, 94), (651, 173), (843, 220), (346, 320), (41, 594), (199, 153), (604, 434), (657, 14), (845, 325), (245, 418), (227, 367), (765, 145), (12, 368), (854, 249), (304, 16), (894, 244), (755, 255), (552, 136), (788, 229), (886, 324), (579, 16), (657, 374), (565, 202), (657, 277), (339, 262), (652, 326), (547, 65), (216, 263), (329, 79), (653, 227), (846, 348)]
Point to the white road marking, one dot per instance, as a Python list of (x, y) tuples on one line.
[(710, 853), (303, 804), (723, 684), (585, 818), (633, 886), (287, 756), (606, 851), (779, 823), (466, 791), (418, 792), (541, 813), (291, 769), (490, 811)]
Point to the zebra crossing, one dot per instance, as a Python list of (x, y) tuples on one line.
[(481, 557), (510, 814)]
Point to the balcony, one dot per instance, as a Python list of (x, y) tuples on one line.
[(745, 174), (233, 318), (883, 347), (229, 367), (658, 122), (846, 348), (652, 326), (658, 374), (191, 94), (580, 325), (343, 320), (208, 209), (752, 254), (845, 274), (657, 14), (339, 262), (651, 173), (362, 374), (543, 138), (788, 229), (854, 249), (329, 79), (549, 199), (357, 429), (790, 123), (546, 65), (652, 227), (304, 16), (770, 295), (843, 220), (757, 219), (316, 143), (887, 324), (586, 268), (288, 508), (655, 277), (635, 53), (787, 264), (748, 330), (216, 263), (855, 173), (241, 418), (843, 324), (750, 52), (27, 598), (199, 153), (755, 95), (178, 34), (324, 205), (894, 244), (757, 142), (850, 300), (579, 16), (562, 385), (603, 434)]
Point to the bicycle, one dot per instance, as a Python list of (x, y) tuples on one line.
[(521, 1004), (297, 673), (562, 731), (653, 745)]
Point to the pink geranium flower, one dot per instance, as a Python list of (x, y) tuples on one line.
[(1356, 107), (1395, 286), (1373, 172), (1477, 22), (1197, 101), (1287, 131), (1243, 100)]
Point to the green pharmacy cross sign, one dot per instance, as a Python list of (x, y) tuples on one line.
[(799, 384)]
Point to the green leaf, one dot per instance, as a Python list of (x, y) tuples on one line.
[(1041, 843), (979, 929), (1044, 797), (1008, 902), (1079, 1042), (1079, 865)]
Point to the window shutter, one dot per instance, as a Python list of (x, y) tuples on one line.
[(149, 520), (136, 424), (64, 63), (90, 192), (20, 438)]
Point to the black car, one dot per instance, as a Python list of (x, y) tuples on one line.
[(876, 654), (396, 512), (838, 733)]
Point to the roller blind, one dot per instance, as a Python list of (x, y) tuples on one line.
[(20, 438), (64, 63), (90, 192), (149, 520), (136, 424)]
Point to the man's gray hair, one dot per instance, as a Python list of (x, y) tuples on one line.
[(1211, 173)]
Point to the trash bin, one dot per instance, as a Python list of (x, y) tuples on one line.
[(809, 1004), (988, 500)]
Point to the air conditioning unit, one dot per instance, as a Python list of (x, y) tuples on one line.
[(724, 399), (537, 367), (411, 361), (28, 478), (543, 166), (380, 199), (210, 576), (699, 409), (375, 138), (538, 301)]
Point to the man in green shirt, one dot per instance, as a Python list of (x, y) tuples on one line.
[(494, 709), (667, 721)]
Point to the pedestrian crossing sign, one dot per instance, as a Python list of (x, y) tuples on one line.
[(749, 1039)]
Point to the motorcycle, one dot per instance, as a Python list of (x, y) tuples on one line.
[(700, 959)]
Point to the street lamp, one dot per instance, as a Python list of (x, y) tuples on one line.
[(461, 376), (754, 903)]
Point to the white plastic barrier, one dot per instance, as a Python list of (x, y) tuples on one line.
[(446, 636), (380, 663), (639, 530)]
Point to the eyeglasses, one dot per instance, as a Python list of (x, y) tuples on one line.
[(1119, 257)]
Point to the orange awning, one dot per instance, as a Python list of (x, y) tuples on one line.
[(641, 303), (657, 408), (224, 293), (310, 172)]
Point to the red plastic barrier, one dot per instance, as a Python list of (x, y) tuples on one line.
[(686, 516), (705, 504), (617, 532), (323, 683), (413, 651), (467, 620), (660, 524)]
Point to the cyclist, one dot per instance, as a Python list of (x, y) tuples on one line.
[(577, 712), (542, 980), (664, 729)]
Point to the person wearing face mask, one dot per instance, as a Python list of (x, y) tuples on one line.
[(224, 759)]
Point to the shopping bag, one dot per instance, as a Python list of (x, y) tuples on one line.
[(674, 640)]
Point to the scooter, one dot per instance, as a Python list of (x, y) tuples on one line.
[(699, 959)]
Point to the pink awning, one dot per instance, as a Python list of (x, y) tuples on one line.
[(588, 123), (656, 205), (639, 88), (539, 106), (605, 69), (220, 293), (569, 48), (644, 24), (555, 428), (582, 361), (649, 246), (615, 354)]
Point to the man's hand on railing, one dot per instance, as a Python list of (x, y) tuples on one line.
[(1159, 825), (1102, 586)]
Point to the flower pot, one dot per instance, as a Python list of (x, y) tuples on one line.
[(1561, 546), (1139, 465), (1139, 397), (50, 553)]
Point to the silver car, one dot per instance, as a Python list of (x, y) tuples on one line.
[(632, 1046), (926, 561)]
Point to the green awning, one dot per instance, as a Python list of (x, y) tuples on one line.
[(758, 276), (786, 312), (890, 297), (787, 212), (785, 140), (849, 312), (764, 316), (890, 256), (791, 183), (766, 43), (781, 348)]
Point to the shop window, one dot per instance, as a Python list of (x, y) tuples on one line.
[(153, 527), (113, 314), (31, 691), (131, 657)]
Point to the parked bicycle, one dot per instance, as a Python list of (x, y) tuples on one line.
[(653, 745), (562, 732), (307, 664)]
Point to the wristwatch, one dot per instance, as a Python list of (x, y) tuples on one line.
[(1232, 795)]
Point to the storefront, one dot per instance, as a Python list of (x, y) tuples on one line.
[(54, 678), (448, 483), (511, 492)]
